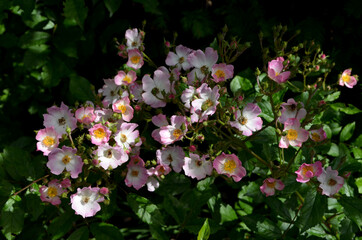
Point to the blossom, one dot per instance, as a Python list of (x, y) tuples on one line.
[(137, 173), (290, 109), (60, 119), (156, 88), (173, 156), (293, 134), (152, 184), (48, 140), (103, 114), (85, 115), (221, 72), (347, 80), (110, 157), (269, 186), (174, 132), (123, 78), (127, 136), (248, 121), (123, 106), (65, 158), (205, 105), (330, 181), (317, 135), (159, 120), (135, 59), (99, 134), (187, 96), (275, 71), (230, 165), (111, 92), (86, 201), (134, 39), (52, 192), (307, 171), (203, 63), (179, 59), (196, 167)]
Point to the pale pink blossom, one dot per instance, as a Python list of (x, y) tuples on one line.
[(137, 173), (60, 119), (174, 132), (85, 115), (110, 157), (135, 59), (123, 106), (65, 159), (276, 71), (196, 167), (136, 90), (111, 92), (123, 78), (202, 62), (206, 104), (230, 165), (159, 120), (221, 72), (127, 136), (307, 171), (99, 134), (187, 96), (179, 59), (103, 114), (269, 186), (347, 80), (290, 109), (331, 183), (86, 201), (133, 38), (293, 134), (52, 192), (173, 156), (248, 121), (152, 184), (48, 140), (317, 135)]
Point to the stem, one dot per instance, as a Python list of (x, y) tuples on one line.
[(71, 140), (256, 156), (149, 60), (35, 181), (292, 222), (291, 162)]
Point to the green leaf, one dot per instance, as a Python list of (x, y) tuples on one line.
[(266, 111), (12, 216), (359, 185), (81, 89), (31, 38), (112, 6), (351, 109), (268, 230), (151, 6), (240, 84), (5, 191), (105, 231), (279, 208), (80, 234), (312, 211), (17, 163), (352, 209), (59, 226), (334, 150), (76, 10), (348, 229), (144, 209), (347, 132), (227, 213), (332, 97), (34, 206), (158, 233), (204, 232), (205, 184)]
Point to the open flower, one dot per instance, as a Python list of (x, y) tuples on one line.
[(179, 59), (135, 59), (206, 104), (85, 115), (290, 109), (137, 173), (86, 201), (99, 134), (123, 106), (65, 158), (317, 135), (275, 71), (52, 192), (347, 80), (203, 63), (173, 156), (221, 72), (230, 165), (60, 119), (127, 136), (330, 181), (269, 186), (248, 121), (196, 167), (174, 132), (123, 78), (48, 140), (111, 92), (307, 171), (134, 38), (110, 157), (293, 134)]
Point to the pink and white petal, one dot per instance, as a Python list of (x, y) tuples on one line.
[(254, 124), (172, 59), (147, 83), (284, 143)]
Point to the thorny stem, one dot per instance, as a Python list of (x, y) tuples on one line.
[(35, 181)]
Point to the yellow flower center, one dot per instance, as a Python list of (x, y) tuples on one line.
[(85, 116), (85, 199), (229, 166), (123, 138), (207, 104), (66, 159), (270, 184), (52, 192), (316, 137), (122, 108), (48, 141), (135, 59), (292, 134), (243, 120), (220, 74), (99, 133), (177, 133), (332, 182), (346, 78), (306, 169), (127, 79)]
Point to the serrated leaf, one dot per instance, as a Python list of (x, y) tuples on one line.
[(352, 209), (347, 132), (31, 38), (80, 234), (81, 88), (227, 213), (350, 109), (17, 163), (334, 150), (240, 84), (204, 232), (105, 231), (279, 208), (332, 97), (59, 226), (76, 10), (144, 209), (268, 230), (266, 111), (112, 6), (312, 211), (12, 217)]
